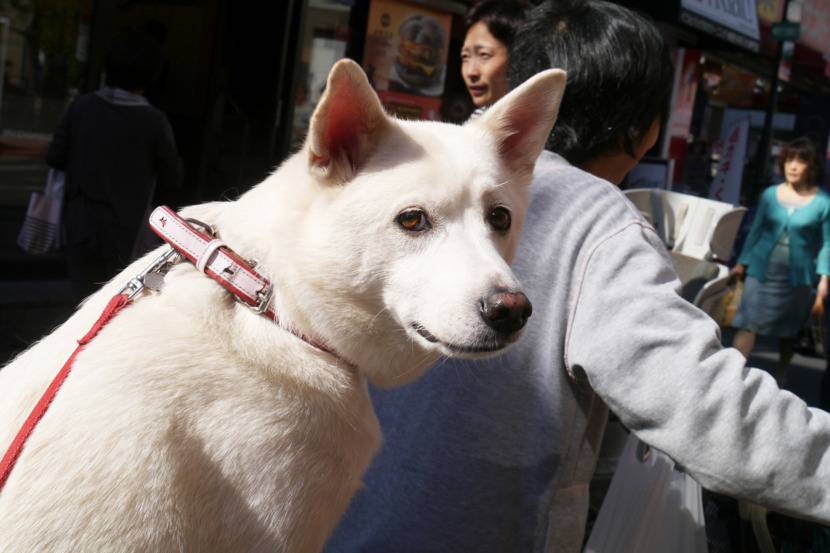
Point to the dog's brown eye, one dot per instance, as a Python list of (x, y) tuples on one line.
[(413, 220), (499, 218)]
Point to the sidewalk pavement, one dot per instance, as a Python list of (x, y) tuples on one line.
[(803, 377)]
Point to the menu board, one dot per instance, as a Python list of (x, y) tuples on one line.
[(406, 57)]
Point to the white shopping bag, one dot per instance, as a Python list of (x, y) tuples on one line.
[(650, 507), (40, 232)]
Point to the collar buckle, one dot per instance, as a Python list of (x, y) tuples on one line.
[(263, 300)]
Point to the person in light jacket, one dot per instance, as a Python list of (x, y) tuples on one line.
[(497, 456)]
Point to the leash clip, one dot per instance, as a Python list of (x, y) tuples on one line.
[(159, 266)]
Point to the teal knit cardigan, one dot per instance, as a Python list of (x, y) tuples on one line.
[(809, 231)]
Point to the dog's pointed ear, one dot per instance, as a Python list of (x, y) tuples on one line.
[(522, 120), (345, 125)]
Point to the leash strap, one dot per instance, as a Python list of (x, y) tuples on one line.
[(210, 256), (116, 304)]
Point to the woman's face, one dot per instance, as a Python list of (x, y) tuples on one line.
[(484, 65), (795, 170)]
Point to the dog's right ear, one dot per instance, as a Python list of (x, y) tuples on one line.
[(522, 120), (345, 125)]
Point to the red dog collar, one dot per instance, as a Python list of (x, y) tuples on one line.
[(211, 256)]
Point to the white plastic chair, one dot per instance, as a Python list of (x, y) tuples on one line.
[(699, 234), (665, 212)]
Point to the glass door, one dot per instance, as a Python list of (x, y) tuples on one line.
[(43, 58)]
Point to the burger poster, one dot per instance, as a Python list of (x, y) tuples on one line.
[(406, 57)]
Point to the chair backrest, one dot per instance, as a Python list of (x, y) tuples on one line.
[(641, 198), (665, 213), (710, 296), (693, 226), (723, 237), (694, 274), (701, 222)]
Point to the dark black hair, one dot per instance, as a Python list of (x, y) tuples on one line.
[(806, 150), (619, 73), (503, 18), (155, 29), (133, 61)]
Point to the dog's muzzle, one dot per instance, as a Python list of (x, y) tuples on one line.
[(505, 312)]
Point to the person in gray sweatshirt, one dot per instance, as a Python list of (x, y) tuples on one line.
[(497, 456)]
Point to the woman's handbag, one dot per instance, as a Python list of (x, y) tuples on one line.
[(650, 507), (40, 232), (730, 303)]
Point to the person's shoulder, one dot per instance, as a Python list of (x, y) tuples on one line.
[(151, 117), (823, 198), (84, 108), (86, 101), (768, 194), (571, 187), (156, 114), (553, 167)]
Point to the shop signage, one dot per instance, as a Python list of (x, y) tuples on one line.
[(727, 184), (786, 30), (685, 89), (815, 26), (735, 21), (770, 11), (785, 67), (406, 57)]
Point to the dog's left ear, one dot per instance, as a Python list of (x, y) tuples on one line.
[(346, 124), (522, 120)]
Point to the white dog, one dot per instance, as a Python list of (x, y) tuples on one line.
[(191, 423)]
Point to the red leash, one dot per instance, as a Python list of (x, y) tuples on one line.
[(210, 256), (116, 304)]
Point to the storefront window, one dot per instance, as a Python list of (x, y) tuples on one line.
[(43, 55), (325, 38), (406, 47)]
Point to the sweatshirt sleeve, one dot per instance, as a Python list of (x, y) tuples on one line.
[(658, 363), (754, 230), (823, 259)]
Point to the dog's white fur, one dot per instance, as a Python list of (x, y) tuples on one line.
[(192, 424)]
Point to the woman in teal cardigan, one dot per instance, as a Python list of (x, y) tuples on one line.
[(786, 252)]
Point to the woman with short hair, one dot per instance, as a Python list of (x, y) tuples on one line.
[(491, 28), (786, 251)]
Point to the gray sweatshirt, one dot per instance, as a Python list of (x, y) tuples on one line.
[(497, 456)]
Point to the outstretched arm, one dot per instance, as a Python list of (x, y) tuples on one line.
[(658, 363)]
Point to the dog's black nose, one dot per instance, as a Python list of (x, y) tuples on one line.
[(506, 312)]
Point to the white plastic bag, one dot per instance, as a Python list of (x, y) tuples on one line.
[(650, 507), (40, 232)]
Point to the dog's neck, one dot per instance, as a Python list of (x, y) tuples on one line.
[(307, 288), (282, 311)]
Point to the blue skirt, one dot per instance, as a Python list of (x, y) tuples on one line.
[(775, 307)]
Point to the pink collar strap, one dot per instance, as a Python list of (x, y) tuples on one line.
[(214, 258)]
